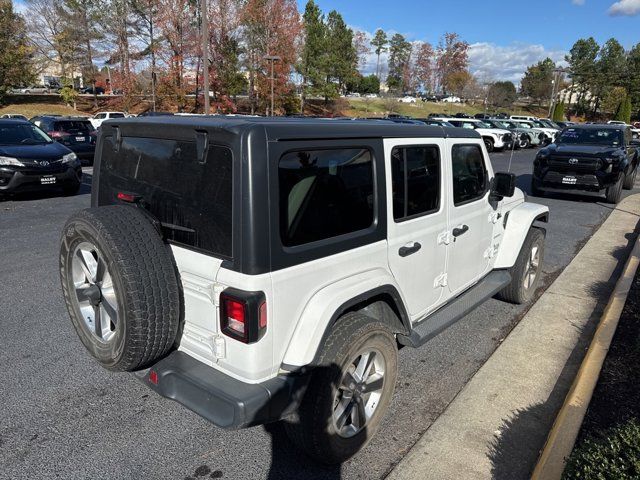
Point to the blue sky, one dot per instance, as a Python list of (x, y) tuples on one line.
[(505, 35)]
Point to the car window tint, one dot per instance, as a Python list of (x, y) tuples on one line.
[(194, 210), (116, 115), (324, 194), (469, 173), (415, 172)]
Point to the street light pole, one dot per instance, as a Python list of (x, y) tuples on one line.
[(205, 56), (272, 59)]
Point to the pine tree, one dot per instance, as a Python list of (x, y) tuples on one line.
[(380, 42), (313, 52), (342, 58)]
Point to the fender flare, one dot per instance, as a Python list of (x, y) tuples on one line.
[(517, 224), (313, 328)]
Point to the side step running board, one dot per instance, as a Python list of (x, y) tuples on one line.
[(456, 309)]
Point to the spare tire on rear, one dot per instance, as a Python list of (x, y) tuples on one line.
[(120, 286)]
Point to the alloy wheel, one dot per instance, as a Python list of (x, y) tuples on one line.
[(359, 393), (531, 269), (95, 293)]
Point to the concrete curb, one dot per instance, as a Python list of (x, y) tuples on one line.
[(565, 429), (499, 422)]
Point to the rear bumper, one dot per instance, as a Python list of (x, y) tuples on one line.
[(12, 181), (223, 400)]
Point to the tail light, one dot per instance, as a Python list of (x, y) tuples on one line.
[(243, 315), (56, 134)]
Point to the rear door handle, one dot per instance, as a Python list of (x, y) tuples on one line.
[(461, 230), (409, 249)]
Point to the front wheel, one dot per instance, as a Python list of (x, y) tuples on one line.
[(614, 192), (349, 392), (489, 144), (524, 142), (525, 274), (630, 179)]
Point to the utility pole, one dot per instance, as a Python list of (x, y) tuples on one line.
[(205, 56), (273, 59)]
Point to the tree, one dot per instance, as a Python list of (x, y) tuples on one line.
[(558, 112), (342, 59), (364, 85), (610, 69), (452, 57), (272, 28), (362, 48), (612, 99), (82, 20), (501, 94), (380, 42), (146, 12), (632, 75), (581, 60), (536, 82), (623, 113), (423, 67), (457, 81), (313, 52), (15, 53), (399, 56)]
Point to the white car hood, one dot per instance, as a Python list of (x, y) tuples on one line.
[(492, 131)]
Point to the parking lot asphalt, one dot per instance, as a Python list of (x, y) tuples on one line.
[(63, 416)]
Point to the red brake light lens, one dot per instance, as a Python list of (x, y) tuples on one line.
[(235, 316), (127, 197)]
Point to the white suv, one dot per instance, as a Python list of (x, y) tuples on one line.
[(257, 270), (98, 118), (494, 138)]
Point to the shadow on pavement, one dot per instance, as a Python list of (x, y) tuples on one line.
[(522, 436)]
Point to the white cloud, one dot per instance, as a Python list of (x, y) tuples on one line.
[(494, 62), (578, 2), (19, 7), (625, 7)]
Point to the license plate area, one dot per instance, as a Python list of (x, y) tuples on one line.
[(48, 180), (80, 139), (569, 180)]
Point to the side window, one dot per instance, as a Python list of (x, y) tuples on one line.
[(415, 172), (324, 194), (100, 116), (469, 173)]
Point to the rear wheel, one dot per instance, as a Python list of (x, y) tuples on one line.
[(525, 274), (630, 179), (349, 391), (614, 192), (120, 286), (524, 141)]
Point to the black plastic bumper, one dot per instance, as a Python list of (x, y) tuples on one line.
[(589, 181), (223, 400), (12, 181)]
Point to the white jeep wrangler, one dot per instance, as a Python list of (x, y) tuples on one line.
[(257, 270)]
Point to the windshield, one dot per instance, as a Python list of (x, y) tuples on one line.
[(22, 134), (590, 136), (524, 125), (539, 124), (483, 125)]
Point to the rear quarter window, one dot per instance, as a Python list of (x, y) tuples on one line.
[(191, 199)]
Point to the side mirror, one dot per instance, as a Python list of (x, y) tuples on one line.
[(503, 185)]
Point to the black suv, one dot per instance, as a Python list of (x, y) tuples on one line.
[(588, 157), (30, 160), (75, 133)]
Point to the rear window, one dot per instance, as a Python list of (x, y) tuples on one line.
[(192, 200), (73, 126), (325, 194), (116, 115)]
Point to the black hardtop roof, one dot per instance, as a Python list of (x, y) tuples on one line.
[(12, 121), (288, 128)]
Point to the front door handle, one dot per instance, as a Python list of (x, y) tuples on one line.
[(461, 230), (408, 250)]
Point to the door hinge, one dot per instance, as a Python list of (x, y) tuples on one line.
[(494, 217), (445, 238), (440, 281)]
